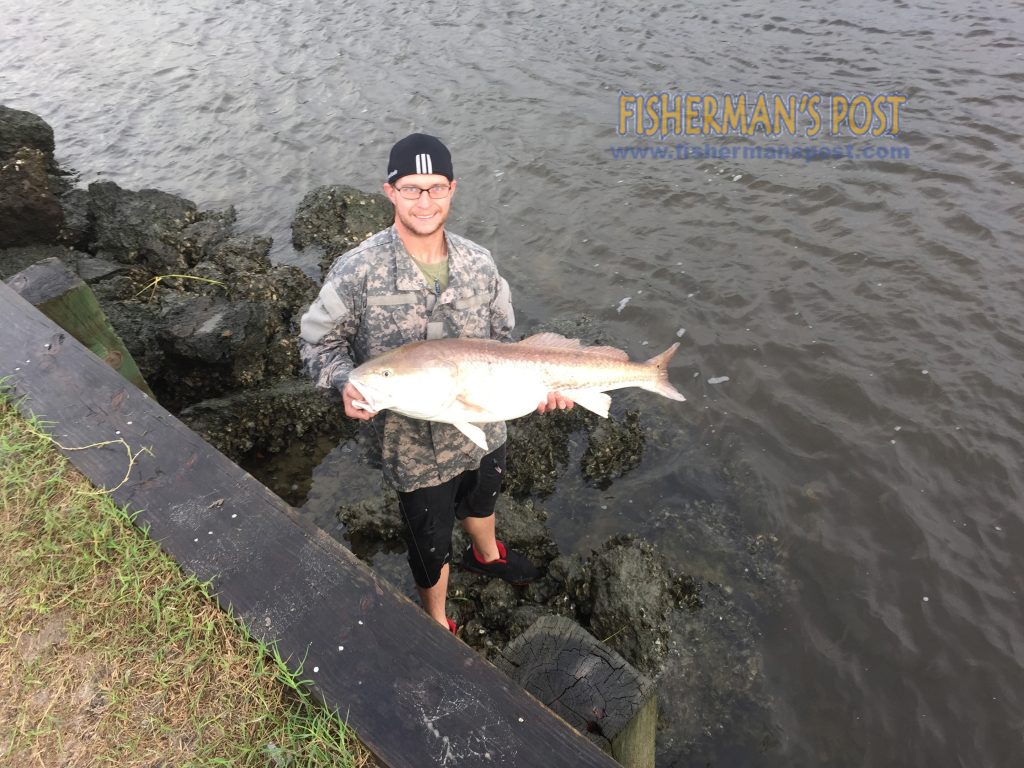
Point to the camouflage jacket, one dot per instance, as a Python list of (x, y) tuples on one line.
[(374, 298)]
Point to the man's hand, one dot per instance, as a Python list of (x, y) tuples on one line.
[(350, 393), (555, 401)]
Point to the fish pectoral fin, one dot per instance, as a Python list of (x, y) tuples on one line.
[(473, 432), (591, 399)]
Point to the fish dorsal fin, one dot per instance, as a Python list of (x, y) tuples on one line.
[(550, 340), (611, 352)]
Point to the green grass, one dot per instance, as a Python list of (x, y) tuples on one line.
[(110, 656)]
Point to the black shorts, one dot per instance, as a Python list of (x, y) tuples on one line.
[(430, 514)]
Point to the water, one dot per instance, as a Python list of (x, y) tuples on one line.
[(867, 314)]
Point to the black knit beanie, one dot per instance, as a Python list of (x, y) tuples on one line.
[(419, 153)]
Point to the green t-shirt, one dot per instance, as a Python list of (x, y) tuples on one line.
[(436, 274)]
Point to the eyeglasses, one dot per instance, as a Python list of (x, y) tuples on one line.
[(436, 192)]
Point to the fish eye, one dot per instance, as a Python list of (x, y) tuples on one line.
[(386, 372)]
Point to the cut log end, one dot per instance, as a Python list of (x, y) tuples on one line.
[(589, 685)]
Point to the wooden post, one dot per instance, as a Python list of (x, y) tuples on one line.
[(63, 297), (633, 747), (589, 685)]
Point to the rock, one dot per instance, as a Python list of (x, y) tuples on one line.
[(267, 419), (543, 590), (541, 446), (476, 635), (686, 591), (210, 330), (497, 600), (573, 574), (714, 539), (242, 254), (765, 563), (202, 237), (523, 617), (23, 129), (77, 229), (212, 346), (713, 685), (337, 218), (143, 227), (373, 525), (29, 212), (13, 260), (539, 450), (282, 355), (242, 267), (226, 323), (631, 601), (240, 270), (522, 526), (614, 448), (295, 291), (138, 325), (127, 284), (191, 347), (93, 270)]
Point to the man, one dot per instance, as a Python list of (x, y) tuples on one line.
[(417, 281)]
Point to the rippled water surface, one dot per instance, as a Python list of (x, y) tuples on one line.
[(867, 314)]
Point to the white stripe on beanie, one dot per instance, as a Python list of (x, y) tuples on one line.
[(423, 164)]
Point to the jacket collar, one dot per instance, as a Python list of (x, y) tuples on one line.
[(408, 276)]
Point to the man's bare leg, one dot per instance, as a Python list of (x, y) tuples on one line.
[(433, 598), (481, 531)]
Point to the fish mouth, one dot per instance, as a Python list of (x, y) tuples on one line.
[(366, 404), (367, 397)]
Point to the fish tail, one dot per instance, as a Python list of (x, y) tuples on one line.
[(661, 384)]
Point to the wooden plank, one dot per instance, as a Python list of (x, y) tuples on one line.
[(415, 695)]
